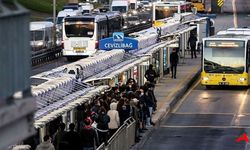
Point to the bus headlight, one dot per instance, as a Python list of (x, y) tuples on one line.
[(205, 78), (242, 79), (40, 43)]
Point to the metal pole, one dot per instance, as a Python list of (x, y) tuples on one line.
[(72, 116), (54, 11)]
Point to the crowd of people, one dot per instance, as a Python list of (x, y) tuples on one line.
[(98, 121)]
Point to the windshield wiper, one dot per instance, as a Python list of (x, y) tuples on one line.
[(210, 63), (228, 68), (224, 69)]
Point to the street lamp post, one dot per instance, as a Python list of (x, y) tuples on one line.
[(54, 11), (54, 22)]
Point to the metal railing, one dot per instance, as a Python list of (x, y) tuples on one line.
[(123, 138)]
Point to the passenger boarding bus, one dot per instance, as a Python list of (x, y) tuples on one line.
[(82, 33), (225, 60)]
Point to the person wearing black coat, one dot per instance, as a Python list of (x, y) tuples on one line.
[(192, 42), (73, 138), (174, 61), (89, 136), (102, 125), (150, 74)]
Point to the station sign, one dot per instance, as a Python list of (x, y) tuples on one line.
[(224, 43), (118, 41)]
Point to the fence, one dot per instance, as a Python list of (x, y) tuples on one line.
[(123, 138)]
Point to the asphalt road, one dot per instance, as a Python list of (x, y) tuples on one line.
[(207, 119), (49, 65)]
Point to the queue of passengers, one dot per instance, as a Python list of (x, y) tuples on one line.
[(98, 121)]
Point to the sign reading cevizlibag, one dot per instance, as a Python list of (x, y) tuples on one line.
[(118, 41)]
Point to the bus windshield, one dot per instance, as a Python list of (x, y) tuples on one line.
[(224, 56), (165, 11), (59, 20), (36, 35), (79, 28), (186, 8), (122, 9)]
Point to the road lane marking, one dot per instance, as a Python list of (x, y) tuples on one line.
[(235, 14), (242, 104), (190, 113), (174, 126)]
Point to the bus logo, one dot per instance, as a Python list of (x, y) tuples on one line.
[(118, 36)]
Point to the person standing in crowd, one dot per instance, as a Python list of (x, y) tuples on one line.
[(150, 74), (73, 138), (46, 144), (89, 137), (149, 104), (114, 118), (143, 110), (174, 61), (96, 107), (152, 96), (192, 42), (124, 109), (102, 125), (131, 85), (59, 138), (134, 104)]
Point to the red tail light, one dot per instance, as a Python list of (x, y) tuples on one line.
[(96, 44)]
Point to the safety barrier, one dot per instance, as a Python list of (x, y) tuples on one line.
[(123, 138)]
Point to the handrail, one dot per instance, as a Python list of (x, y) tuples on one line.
[(123, 138)]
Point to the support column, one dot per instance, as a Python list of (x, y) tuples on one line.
[(42, 133), (72, 116), (161, 63), (64, 120)]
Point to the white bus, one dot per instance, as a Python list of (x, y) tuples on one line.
[(41, 33), (225, 59), (82, 33)]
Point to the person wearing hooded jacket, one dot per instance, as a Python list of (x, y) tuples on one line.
[(114, 118), (46, 145), (150, 74)]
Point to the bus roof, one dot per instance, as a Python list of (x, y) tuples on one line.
[(119, 3), (171, 3), (228, 37), (96, 17), (236, 31), (38, 25)]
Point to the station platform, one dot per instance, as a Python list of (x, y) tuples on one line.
[(168, 91)]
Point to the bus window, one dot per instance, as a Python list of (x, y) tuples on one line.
[(122, 9), (79, 28), (248, 52), (37, 35), (186, 8), (165, 11), (224, 56)]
